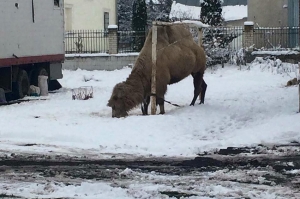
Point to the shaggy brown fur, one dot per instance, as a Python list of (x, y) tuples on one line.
[(177, 57)]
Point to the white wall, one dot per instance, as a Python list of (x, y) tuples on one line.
[(89, 14), (31, 31)]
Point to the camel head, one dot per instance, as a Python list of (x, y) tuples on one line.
[(117, 101)]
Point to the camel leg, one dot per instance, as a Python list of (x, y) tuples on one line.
[(160, 101), (198, 77), (203, 90), (145, 105)]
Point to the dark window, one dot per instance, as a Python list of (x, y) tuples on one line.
[(56, 3), (106, 20)]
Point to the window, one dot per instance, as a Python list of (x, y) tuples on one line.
[(106, 20), (56, 3)]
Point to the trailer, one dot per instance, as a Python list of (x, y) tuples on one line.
[(31, 44)]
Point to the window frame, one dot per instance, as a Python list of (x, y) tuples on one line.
[(106, 20)]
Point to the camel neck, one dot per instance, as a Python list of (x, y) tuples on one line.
[(136, 81)]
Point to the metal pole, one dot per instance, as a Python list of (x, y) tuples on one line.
[(153, 76)]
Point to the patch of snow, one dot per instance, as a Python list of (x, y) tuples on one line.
[(88, 55), (295, 171), (112, 27), (231, 13), (101, 55), (248, 23), (199, 24), (183, 11), (207, 185), (285, 52)]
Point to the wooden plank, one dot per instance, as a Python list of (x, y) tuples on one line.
[(200, 36), (153, 75), (299, 84)]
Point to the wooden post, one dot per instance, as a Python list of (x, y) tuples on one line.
[(200, 36), (153, 76), (298, 78)]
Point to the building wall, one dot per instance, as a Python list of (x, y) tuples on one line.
[(268, 13), (89, 14)]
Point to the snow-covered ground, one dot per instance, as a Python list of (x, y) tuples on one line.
[(243, 108)]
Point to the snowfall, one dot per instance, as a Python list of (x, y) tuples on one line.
[(244, 106)]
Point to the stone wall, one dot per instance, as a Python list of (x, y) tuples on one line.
[(99, 62)]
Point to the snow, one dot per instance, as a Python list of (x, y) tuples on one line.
[(248, 23), (192, 12), (210, 185), (183, 11), (199, 24), (112, 26), (100, 54), (284, 52), (243, 108), (231, 13)]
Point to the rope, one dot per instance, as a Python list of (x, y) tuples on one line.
[(152, 94)]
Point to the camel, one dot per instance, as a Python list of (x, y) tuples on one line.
[(178, 56)]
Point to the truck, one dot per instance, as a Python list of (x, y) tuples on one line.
[(31, 44)]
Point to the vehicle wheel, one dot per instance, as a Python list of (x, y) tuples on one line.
[(22, 84), (34, 77)]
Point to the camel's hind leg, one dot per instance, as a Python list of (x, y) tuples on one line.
[(203, 90), (198, 79)]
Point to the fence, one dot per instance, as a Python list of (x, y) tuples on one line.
[(224, 37), (131, 41), (228, 38), (97, 41), (276, 38), (86, 41)]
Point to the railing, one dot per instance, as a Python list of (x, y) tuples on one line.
[(131, 41), (86, 41), (224, 37), (227, 38), (276, 38), (221, 43)]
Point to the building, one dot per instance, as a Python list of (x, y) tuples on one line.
[(90, 14), (274, 13), (276, 23)]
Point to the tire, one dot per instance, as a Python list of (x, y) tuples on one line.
[(22, 84)]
